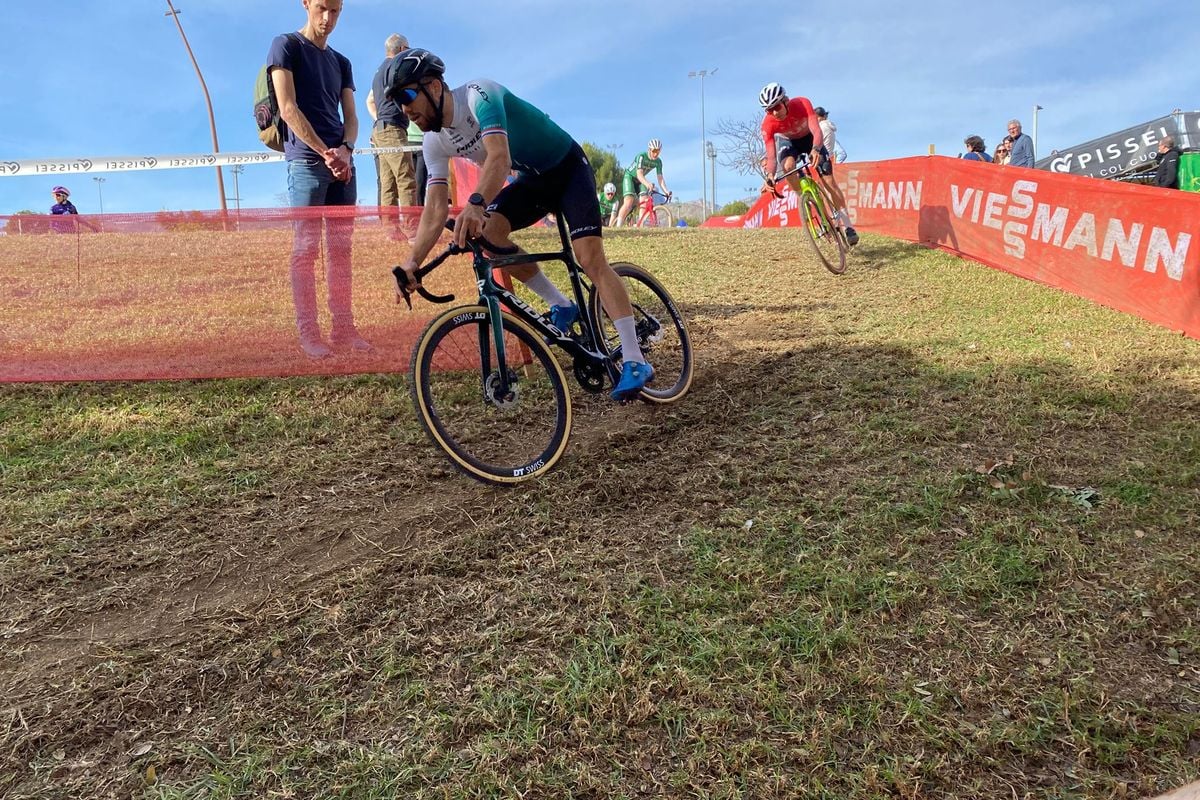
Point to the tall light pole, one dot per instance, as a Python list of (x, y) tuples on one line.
[(711, 151), (212, 122), (237, 170), (100, 191), (1036, 108), (702, 74)]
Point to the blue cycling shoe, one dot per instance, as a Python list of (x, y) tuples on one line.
[(634, 377), (562, 317)]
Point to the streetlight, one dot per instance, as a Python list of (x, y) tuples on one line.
[(711, 152), (1036, 108), (212, 122), (100, 190), (701, 74), (237, 170), (613, 148)]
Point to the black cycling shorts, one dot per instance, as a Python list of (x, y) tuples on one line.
[(568, 188), (804, 145)]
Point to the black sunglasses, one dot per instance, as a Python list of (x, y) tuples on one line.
[(406, 96)]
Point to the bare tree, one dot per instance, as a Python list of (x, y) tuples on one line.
[(743, 150)]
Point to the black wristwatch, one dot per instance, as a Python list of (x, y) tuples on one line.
[(476, 200), (349, 146)]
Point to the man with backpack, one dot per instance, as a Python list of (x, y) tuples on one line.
[(314, 89), (391, 130)]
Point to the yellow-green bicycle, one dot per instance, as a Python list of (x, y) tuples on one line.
[(828, 239)]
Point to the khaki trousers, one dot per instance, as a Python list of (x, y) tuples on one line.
[(396, 180)]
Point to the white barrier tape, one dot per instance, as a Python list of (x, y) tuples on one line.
[(88, 166)]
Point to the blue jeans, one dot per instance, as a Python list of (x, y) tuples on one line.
[(310, 183)]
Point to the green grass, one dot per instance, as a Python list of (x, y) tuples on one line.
[(900, 541)]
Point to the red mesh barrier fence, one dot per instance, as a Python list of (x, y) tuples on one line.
[(177, 295)]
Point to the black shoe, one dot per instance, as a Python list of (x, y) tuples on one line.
[(851, 236)]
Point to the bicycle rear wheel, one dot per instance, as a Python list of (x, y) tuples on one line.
[(662, 334), (492, 435), (826, 239)]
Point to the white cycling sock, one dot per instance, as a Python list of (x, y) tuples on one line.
[(845, 218), (627, 330), (544, 288)]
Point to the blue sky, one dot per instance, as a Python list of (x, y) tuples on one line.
[(85, 78)]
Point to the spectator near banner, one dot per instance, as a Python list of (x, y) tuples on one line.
[(976, 150), (1167, 173), (1003, 151), (1022, 146), (829, 132)]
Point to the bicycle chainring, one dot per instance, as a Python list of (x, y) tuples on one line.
[(591, 375)]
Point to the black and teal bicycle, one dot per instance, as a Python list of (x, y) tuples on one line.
[(488, 389)]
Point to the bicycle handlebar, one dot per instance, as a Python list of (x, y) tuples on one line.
[(803, 167), (476, 246)]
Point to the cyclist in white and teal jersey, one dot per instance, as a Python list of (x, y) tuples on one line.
[(486, 123), (636, 181)]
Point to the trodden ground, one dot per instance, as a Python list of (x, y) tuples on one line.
[(923, 530)]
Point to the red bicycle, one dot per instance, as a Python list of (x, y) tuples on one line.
[(648, 214)]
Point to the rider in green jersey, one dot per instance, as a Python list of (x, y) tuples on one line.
[(636, 181), (607, 198)]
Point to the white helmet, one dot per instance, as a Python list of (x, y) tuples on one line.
[(654, 144), (771, 94), (608, 187)]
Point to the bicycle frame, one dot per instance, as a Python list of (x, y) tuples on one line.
[(492, 296), (808, 185)]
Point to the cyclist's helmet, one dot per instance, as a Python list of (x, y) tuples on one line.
[(412, 66), (415, 66), (654, 144), (610, 188), (771, 94), (60, 190)]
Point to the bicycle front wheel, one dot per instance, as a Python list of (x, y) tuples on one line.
[(826, 239), (663, 217), (661, 331), (500, 424)]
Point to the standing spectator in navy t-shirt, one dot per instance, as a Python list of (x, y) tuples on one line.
[(315, 89)]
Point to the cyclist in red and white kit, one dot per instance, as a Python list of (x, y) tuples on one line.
[(796, 120)]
